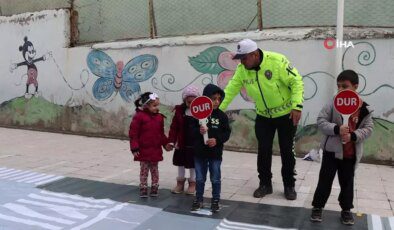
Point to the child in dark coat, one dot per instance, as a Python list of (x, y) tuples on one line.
[(208, 156), (146, 140), (181, 137)]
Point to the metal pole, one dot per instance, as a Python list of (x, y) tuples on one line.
[(260, 14), (151, 19), (339, 37)]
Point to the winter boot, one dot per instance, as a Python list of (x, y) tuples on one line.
[(192, 187), (180, 186)]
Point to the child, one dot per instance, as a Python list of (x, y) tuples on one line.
[(181, 136), (146, 139), (209, 155), (338, 156)]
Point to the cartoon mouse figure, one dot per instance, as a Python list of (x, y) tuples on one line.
[(29, 53)]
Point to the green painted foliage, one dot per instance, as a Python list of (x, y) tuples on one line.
[(207, 60)]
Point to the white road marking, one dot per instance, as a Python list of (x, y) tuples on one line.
[(61, 209), (63, 201), (29, 222), (49, 180), (376, 222), (40, 179), (75, 197), (23, 176), (100, 217), (32, 177), (22, 210)]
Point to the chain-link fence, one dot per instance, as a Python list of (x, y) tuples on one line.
[(121, 19), (103, 20), (107, 20), (11, 7)]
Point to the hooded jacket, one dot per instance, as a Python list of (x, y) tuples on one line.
[(218, 128), (147, 136)]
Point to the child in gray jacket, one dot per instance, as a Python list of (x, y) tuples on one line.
[(339, 157)]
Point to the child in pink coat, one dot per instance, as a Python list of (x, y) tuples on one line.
[(180, 136)]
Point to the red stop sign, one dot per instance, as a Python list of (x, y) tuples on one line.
[(347, 102), (201, 107)]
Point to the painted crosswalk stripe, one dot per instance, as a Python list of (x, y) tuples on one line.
[(226, 224), (9, 173), (32, 177), (6, 170), (22, 210), (23, 176), (75, 197), (61, 209), (39, 179), (49, 180), (376, 222), (30, 222), (64, 201), (16, 174), (391, 222)]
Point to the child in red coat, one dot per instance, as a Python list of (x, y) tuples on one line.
[(146, 140), (180, 136)]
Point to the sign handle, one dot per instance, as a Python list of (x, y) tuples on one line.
[(203, 122), (345, 122)]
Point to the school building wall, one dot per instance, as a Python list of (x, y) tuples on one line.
[(69, 101)]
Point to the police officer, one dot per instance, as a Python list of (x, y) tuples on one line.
[(277, 90)]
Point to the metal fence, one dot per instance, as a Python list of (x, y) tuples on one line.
[(103, 20), (107, 20)]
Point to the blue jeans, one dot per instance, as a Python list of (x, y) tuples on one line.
[(201, 166)]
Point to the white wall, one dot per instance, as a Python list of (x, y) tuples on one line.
[(65, 78), (49, 33)]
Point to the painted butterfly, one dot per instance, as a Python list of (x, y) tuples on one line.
[(119, 77)]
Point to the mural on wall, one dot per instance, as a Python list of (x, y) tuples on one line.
[(114, 78), (81, 115), (215, 65), (29, 55), (215, 60)]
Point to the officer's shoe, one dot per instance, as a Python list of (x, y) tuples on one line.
[(347, 217), (290, 193), (262, 190)]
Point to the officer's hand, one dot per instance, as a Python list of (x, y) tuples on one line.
[(295, 115)]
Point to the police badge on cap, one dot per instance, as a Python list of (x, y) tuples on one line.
[(268, 74)]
